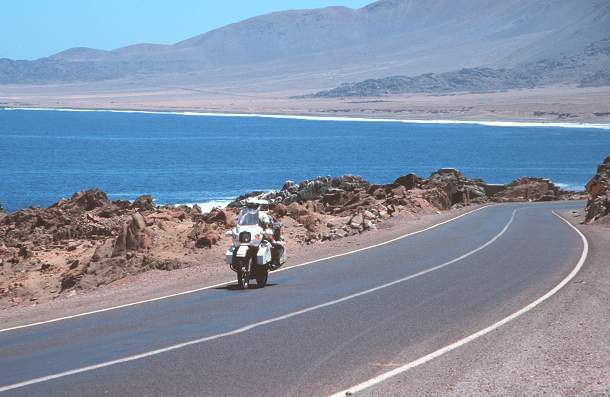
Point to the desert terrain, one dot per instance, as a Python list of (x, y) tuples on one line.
[(563, 104)]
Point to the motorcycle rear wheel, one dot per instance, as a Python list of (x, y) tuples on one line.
[(243, 279), (261, 274), (243, 276)]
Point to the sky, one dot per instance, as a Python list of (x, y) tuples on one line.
[(32, 29)]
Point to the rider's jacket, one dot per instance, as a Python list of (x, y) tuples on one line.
[(264, 219)]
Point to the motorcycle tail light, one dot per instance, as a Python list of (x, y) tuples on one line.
[(244, 237)]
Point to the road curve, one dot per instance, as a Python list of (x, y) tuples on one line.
[(316, 329)]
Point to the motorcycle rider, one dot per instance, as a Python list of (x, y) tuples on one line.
[(270, 226)]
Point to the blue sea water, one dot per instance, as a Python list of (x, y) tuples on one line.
[(46, 155)]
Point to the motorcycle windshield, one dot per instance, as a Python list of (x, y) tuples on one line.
[(248, 218)]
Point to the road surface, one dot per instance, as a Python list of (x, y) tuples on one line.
[(316, 329)]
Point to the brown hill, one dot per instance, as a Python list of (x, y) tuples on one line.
[(388, 37)]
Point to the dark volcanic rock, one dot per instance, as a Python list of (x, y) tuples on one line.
[(238, 201), (598, 188), (69, 280), (64, 220), (409, 181), (216, 215), (89, 199), (308, 190), (108, 211), (530, 189), (143, 203), (349, 182), (448, 187), (464, 80)]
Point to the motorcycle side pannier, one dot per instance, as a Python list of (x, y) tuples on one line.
[(263, 255)]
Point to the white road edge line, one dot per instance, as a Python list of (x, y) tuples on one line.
[(422, 360), (255, 325), (89, 313)]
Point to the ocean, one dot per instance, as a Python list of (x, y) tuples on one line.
[(187, 158)]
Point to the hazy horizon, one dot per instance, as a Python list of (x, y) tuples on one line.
[(54, 26)]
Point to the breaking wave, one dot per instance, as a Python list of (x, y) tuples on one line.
[(602, 126), (571, 187), (207, 206)]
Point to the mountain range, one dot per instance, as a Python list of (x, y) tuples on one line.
[(591, 68), (322, 48)]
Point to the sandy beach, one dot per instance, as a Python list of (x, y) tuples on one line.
[(561, 104)]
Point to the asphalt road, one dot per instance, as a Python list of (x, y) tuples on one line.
[(316, 329)]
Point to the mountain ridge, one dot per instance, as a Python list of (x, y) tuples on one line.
[(387, 37), (589, 69)]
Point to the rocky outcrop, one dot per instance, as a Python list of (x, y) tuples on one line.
[(204, 235), (88, 200), (448, 187), (598, 188), (221, 217), (530, 189), (313, 204), (76, 218), (133, 236), (308, 190), (143, 203), (409, 181), (208, 228), (88, 241)]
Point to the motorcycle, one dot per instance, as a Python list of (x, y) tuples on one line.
[(256, 250)]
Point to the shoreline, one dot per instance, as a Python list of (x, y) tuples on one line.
[(222, 203), (498, 123)]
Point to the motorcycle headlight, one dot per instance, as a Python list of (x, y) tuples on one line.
[(244, 237)]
